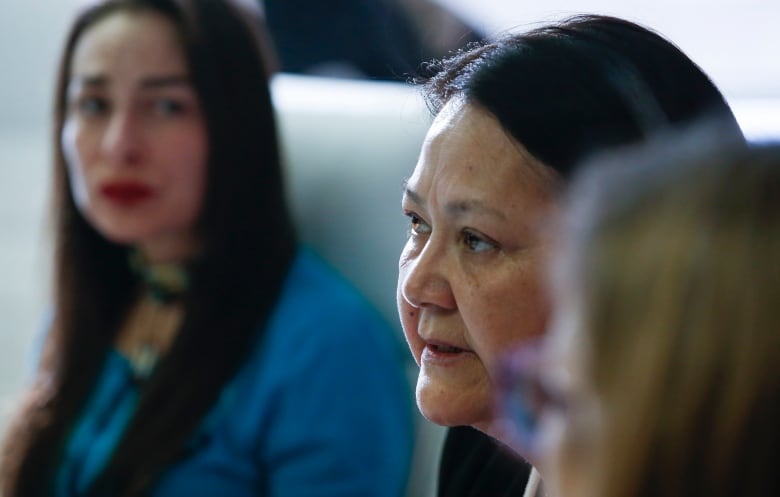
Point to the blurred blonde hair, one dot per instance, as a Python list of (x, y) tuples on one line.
[(675, 258)]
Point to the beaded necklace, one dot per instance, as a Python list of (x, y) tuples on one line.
[(159, 311), (165, 282)]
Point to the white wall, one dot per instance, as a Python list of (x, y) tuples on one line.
[(30, 35)]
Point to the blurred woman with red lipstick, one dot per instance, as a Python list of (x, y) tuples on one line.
[(195, 348), (513, 118)]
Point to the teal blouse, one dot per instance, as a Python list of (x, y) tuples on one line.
[(320, 408)]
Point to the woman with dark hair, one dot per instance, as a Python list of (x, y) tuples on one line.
[(195, 348), (513, 118)]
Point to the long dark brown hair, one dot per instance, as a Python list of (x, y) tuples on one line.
[(247, 246)]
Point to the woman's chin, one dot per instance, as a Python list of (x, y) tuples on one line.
[(444, 409), (435, 416)]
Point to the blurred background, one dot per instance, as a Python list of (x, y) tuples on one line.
[(735, 41)]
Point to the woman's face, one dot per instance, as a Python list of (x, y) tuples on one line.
[(134, 138), (469, 281)]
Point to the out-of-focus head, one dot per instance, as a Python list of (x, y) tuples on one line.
[(165, 139), (134, 136), (165, 125), (660, 372), (513, 117)]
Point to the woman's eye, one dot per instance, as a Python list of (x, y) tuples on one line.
[(168, 107), (91, 106), (477, 243), (417, 225)]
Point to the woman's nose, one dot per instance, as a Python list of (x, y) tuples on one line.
[(123, 139), (424, 279)]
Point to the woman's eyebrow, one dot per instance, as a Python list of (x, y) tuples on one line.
[(92, 80), (410, 194), (458, 207), (165, 81), (161, 81)]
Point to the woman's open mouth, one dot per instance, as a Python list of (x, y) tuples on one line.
[(445, 349), (443, 353)]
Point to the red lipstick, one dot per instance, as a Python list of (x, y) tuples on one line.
[(126, 192)]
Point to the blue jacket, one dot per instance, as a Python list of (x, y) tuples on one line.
[(320, 408)]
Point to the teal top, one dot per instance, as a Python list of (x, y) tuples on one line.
[(320, 408)]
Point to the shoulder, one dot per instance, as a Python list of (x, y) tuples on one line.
[(322, 324), (323, 347), (318, 301), (313, 281)]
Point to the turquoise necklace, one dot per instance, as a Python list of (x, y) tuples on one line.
[(165, 282), (164, 286)]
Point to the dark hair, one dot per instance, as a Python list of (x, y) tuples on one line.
[(575, 88), (247, 246)]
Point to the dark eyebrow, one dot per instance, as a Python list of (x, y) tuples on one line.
[(411, 194), (89, 80), (465, 206), (150, 82), (165, 81), (458, 208)]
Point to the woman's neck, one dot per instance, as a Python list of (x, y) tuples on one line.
[(176, 249)]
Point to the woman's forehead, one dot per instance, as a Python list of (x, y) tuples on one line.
[(128, 43), (467, 146)]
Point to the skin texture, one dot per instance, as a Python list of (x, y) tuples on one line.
[(133, 118), (470, 283)]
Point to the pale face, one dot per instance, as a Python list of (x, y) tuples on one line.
[(134, 137), (470, 275)]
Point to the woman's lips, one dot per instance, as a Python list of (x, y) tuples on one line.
[(444, 348), (443, 353), (126, 192)]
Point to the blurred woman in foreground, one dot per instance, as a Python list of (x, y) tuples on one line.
[(660, 376)]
